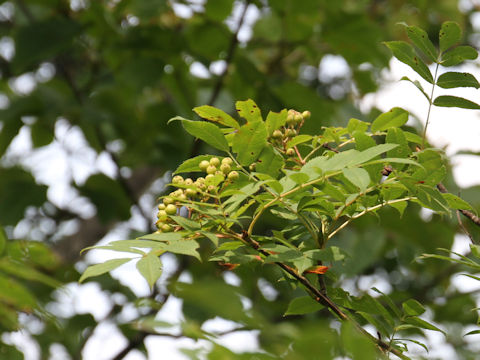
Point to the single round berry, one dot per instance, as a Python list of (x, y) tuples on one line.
[(191, 192), (168, 200), (277, 134), (233, 175), (200, 180), (162, 215), (161, 206), (215, 161), (291, 119), (225, 168), (177, 180), (182, 197), (290, 152), (188, 181), (252, 167), (298, 118), (171, 209), (166, 228), (290, 133), (159, 224), (209, 177), (212, 189), (306, 115), (227, 161), (203, 165), (211, 169)]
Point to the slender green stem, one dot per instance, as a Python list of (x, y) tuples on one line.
[(430, 103)]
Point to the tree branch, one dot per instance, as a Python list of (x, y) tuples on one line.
[(467, 213)]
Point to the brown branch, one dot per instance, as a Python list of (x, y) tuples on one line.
[(321, 298)]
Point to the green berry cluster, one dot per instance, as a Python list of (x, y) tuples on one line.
[(294, 122), (189, 190)]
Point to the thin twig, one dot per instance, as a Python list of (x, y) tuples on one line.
[(467, 213)]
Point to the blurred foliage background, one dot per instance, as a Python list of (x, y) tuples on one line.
[(86, 90)]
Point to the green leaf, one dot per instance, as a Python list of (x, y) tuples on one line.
[(404, 52), (275, 120), (395, 117), (450, 34), (249, 111), (23, 271), (191, 165), (99, 269), (454, 101), (451, 80), (186, 223), (356, 125), (205, 131), (420, 39), (150, 267), (431, 198), (15, 294), (302, 305), (397, 136), (213, 114), (357, 176), (249, 142), (182, 247), (459, 55), (456, 202), (218, 10), (171, 236), (413, 320), (473, 332), (418, 85), (269, 162), (413, 307), (299, 139)]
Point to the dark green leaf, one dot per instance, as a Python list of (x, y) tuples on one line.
[(473, 332), (395, 117), (302, 305), (275, 120), (413, 320), (213, 114), (459, 55), (182, 247), (454, 101), (3, 240), (450, 34), (420, 39), (186, 223), (404, 52), (249, 142), (418, 86), (357, 176), (456, 202), (456, 79), (413, 307), (205, 131), (218, 9), (269, 162)]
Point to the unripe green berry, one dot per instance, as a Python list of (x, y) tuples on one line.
[(290, 152), (219, 173), (212, 189), (291, 119), (188, 181), (162, 215), (211, 169), (177, 180), (306, 115), (159, 224), (215, 161), (225, 168), (166, 228), (227, 161), (191, 192), (200, 180), (171, 209), (233, 175), (252, 167), (277, 134), (298, 118), (168, 200), (290, 133), (209, 177), (203, 165), (201, 186), (182, 197), (161, 206)]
